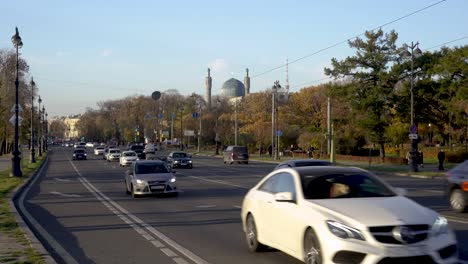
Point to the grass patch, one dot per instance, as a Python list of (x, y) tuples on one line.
[(8, 224)]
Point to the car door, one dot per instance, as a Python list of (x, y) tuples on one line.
[(128, 176), (285, 216), (265, 199)]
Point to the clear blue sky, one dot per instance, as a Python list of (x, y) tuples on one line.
[(83, 52)]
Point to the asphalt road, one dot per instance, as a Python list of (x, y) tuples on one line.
[(83, 215)]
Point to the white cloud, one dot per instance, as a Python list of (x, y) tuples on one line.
[(219, 65), (106, 53)]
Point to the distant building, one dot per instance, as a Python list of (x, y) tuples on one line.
[(233, 88), (71, 132)]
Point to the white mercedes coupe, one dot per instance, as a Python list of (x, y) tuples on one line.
[(329, 214)]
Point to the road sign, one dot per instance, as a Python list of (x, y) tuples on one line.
[(173, 115), (13, 108), (156, 95), (217, 137), (195, 115), (13, 118), (413, 129), (165, 133), (279, 133), (161, 115), (413, 136)]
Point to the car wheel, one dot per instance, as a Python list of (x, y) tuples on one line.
[(457, 201), (251, 235), (126, 188), (134, 195), (312, 251)]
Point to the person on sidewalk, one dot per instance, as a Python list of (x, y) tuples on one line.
[(441, 158)]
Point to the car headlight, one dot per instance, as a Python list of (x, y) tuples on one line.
[(343, 231), (176, 161), (189, 161), (74, 155), (86, 154), (173, 179), (138, 181), (440, 226)]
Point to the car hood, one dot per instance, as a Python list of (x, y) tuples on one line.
[(155, 176), (396, 210)]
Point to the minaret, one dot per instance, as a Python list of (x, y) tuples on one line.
[(208, 83), (247, 82)]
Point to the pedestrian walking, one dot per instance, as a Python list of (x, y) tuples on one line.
[(421, 159), (441, 158), (270, 150), (261, 150)]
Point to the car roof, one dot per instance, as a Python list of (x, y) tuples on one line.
[(323, 170), (128, 151), (150, 162)]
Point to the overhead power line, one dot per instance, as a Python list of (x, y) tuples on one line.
[(346, 40), (433, 47)]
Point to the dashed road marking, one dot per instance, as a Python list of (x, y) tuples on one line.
[(66, 195), (205, 206), (219, 182)]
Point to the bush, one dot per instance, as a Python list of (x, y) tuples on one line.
[(456, 157)]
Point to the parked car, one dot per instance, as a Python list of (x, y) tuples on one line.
[(99, 150), (79, 154), (329, 214), (179, 159), (138, 149), (150, 177), (457, 189), (127, 158), (113, 154), (302, 163), (238, 154)]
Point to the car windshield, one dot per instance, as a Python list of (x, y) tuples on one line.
[(136, 147), (146, 168), (115, 151), (130, 154), (240, 149), (179, 155), (311, 163), (79, 151), (333, 186)]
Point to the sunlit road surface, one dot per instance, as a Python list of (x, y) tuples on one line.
[(83, 215)]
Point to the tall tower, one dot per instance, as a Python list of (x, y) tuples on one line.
[(287, 79), (208, 83), (247, 82)]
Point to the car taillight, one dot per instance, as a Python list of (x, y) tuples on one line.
[(464, 186), (232, 154)]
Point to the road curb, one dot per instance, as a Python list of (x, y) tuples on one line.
[(30, 236)]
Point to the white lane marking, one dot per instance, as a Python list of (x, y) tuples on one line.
[(169, 252), (205, 206), (65, 195), (456, 219), (433, 191), (220, 182), (238, 206), (180, 261), (62, 180), (137, 221)]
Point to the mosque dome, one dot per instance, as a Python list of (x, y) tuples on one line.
[(233, 88)]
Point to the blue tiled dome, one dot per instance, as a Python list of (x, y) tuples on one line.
[(233, 88)]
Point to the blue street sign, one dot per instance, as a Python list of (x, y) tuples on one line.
[(413, 129), (279, 133), (173, 115), (161, 115), (195, 115)]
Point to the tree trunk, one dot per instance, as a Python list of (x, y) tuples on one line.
[(382, 151)]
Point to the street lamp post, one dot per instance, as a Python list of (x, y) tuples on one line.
[(235, 122), (42, 128), (216, 128), (16, 165), (32, 158), (39, 130), (46, 124), (413, 53)]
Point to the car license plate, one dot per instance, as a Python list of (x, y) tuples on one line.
[(157, 187)]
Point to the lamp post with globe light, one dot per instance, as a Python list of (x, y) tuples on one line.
[(413, 52), (39, 130), (33, 151), (16, 165)]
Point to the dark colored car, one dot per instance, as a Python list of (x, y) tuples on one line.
[(139, 150), (79, 154), (238, 154), (302, 163), (179, 159), (457, 189)]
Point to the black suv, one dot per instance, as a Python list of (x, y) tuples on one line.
[(238, 154), (79, 154), (458, 187), (138, 149)]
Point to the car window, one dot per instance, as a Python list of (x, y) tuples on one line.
[(146, 168), (130, 154), (179, 155), (229, 148), (269, 185), (343, 186), (240, 149), (285, 183), (79, 151)]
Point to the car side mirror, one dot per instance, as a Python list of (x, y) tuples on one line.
[(401, 191), (284, 197)]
